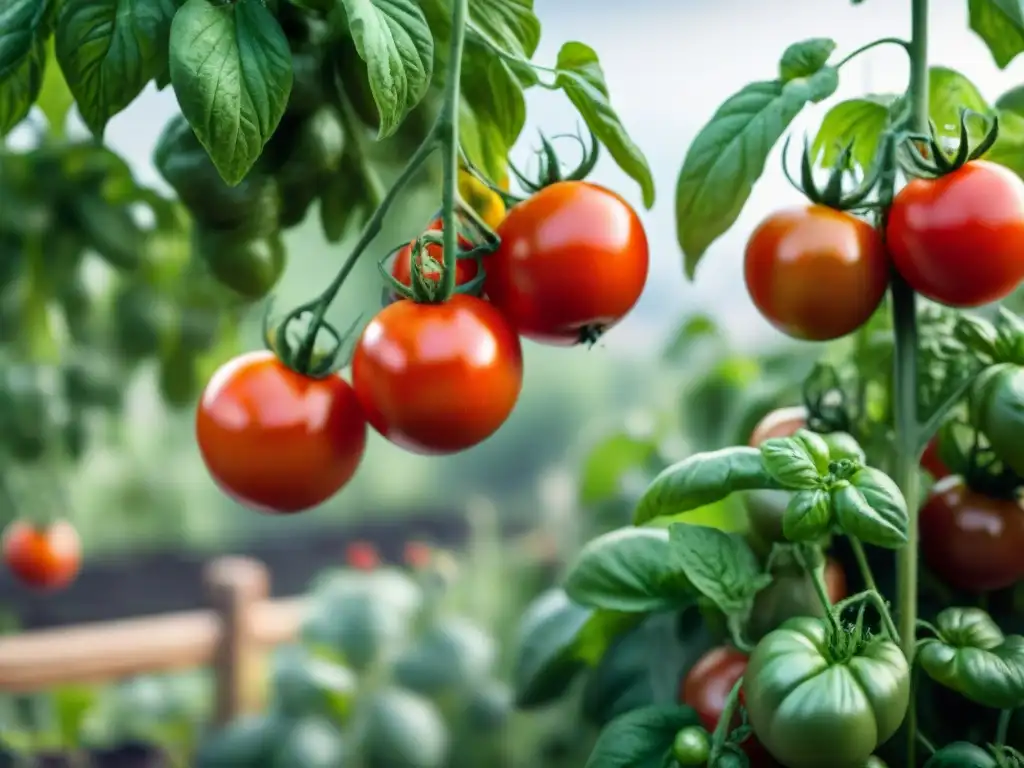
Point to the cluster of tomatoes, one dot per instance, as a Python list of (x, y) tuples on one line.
[(818, 274), (433, 377)]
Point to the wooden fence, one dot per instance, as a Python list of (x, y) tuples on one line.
[(233, 636)]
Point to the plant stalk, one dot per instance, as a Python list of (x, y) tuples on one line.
[(448, 121), (907, 436)]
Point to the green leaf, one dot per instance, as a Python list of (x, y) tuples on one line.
[(344, 199), (805, 58), (310, 742), (544, 666), (729, 155), (808, 516), (492, 111), (579, 74), (790, 464), (871, 508), (1009, 147), (856, 122), (22, 58), (509, 25), (1000, 24), (843, 445), (247, 741), (702, 479), (1012, 101), (71, 703), (404, 729), (972, 657), (306, 683), (109, 50), (629, 570), (641, 738), (232, 73), (55, 98), (948, 93), (393, 39), (609, 461), (721, 566)]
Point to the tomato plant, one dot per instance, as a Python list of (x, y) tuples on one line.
[(816, 273), (971, 540), (276, 440), (401, 267), (438, 378), (572, 262), (42, 556), (957, 239)]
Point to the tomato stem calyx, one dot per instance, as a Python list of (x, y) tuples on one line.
[(550, 170), (935, 161)]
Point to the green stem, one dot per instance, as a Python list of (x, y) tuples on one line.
[(448, 120), (876, 600), (862, 564), (874, 44), (724, 726), (907, 441), (1004, 726)]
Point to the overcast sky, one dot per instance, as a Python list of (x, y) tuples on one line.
[(669, 63)]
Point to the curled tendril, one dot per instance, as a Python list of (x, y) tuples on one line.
[(834, 194), (550, 170), (303, 356), (934, 160)]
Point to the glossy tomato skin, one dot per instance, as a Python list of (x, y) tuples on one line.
[(465, 269), (782, 422), (959, 239), (275, 440), (573, 258), (42, 557), (706, 689), (438, 378), (969, 540), (816, 273)]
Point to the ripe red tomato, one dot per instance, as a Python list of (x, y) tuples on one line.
[(972, 541), (706, 689), (438, 378), (362, 556), (816, 273), (931, 461), (276, 440), (782, 422), (45, 557), (465, 269), (959, 239), (572, 262)]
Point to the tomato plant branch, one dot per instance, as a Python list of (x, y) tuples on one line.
[(718, 738), (874, 44), (448, 124), (862, 563), (874, 597), (1004, 726)]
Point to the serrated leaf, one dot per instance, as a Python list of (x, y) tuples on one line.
[(857, 122), (579, 74), (109, 50), (231, 69), (729, 154), (393, 39), (22, 58), (1000, 24)]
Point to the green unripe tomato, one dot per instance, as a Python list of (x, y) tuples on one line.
[(251, 268), (691, 746), (810, 710), (962, 754)]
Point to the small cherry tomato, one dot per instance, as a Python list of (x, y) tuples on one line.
[(417, 555), (816, 273), (487, 203), (438, 378), (465, 269), (969, 540), (572, 263), (931, 461), (44, 557), (276, 440), (782, 422), (362, 556), (691, 746), (959, 239)]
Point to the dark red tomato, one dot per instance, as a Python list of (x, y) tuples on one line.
[(465, 269), (972, 541), (816, 273), (932, 463), (706, 689), (276, 440), (44, 557), (782, 422), (572, 263), (959, 239), (438, 378)]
